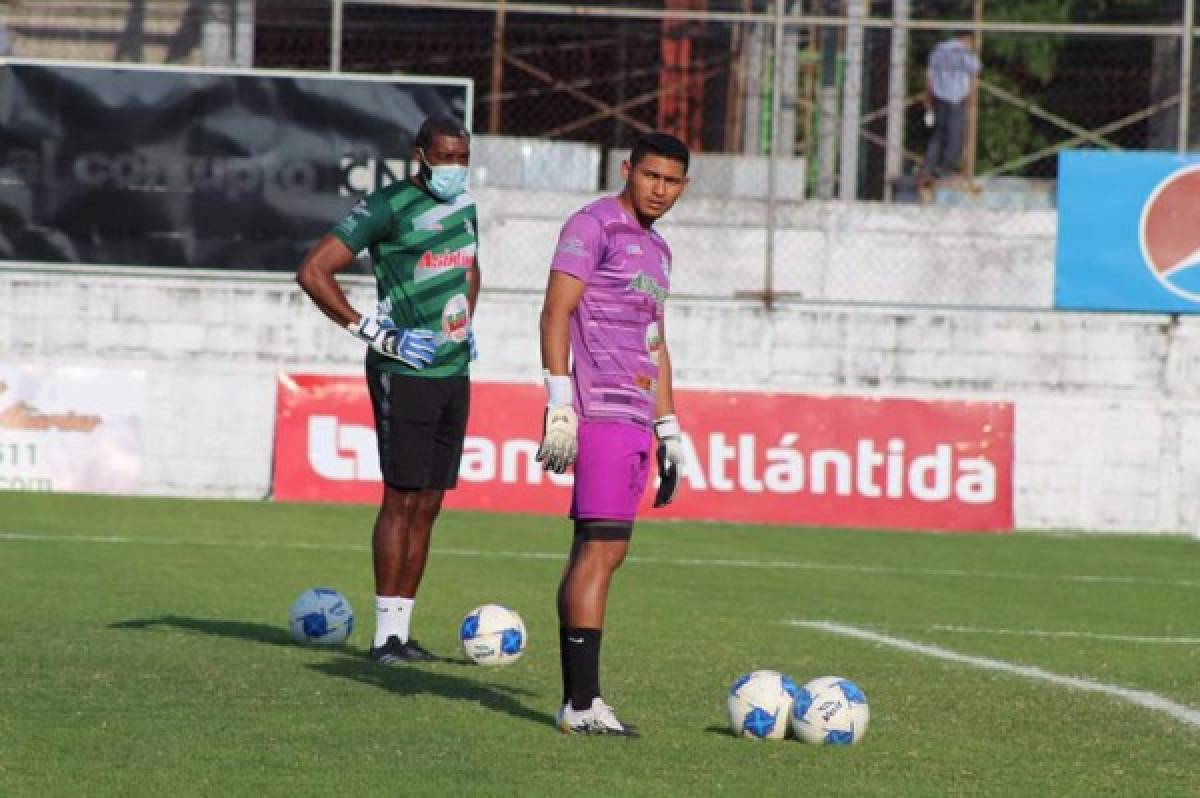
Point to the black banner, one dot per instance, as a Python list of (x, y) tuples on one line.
[(196, 168)]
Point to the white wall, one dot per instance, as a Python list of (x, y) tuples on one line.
[(1108, 406), (825, 251)]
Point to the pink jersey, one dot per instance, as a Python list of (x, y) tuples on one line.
[(615, 330)]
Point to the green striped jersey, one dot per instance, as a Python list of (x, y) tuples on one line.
[(421, 250)]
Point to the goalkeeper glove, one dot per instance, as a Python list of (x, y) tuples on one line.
[(413, 347), (560, 427), (670, 458)]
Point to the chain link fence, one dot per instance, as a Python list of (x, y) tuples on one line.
[(804, 184)]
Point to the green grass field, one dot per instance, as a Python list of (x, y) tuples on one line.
[(145, 652)]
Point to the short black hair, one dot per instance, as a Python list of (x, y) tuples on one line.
[(659, 143), (440, 125)]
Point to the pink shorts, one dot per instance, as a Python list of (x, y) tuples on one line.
[(611, 470)]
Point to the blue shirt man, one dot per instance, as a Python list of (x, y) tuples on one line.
[(950, 79)]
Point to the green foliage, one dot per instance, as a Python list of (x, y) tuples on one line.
[(1026, 64), (1006, 131), (1127, 11), (1022, 64), (1037, 54)]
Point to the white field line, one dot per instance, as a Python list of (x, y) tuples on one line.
[(1141, 698), (983, 630), (806, 565)]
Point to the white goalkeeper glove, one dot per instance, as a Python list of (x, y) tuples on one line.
[(560, 426), (413, 347), (670, 458)]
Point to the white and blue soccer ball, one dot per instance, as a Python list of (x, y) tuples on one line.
[(493, 635), (321, 615), (759, 705), (830, 711)]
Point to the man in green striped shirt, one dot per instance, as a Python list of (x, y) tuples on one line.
[(422, 235)]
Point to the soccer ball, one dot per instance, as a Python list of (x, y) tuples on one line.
[(493, 635), (759, 705), (321, 615), (830, 711)]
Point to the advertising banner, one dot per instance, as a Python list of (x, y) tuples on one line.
[(753, 457), (216, 169), (1128, 237), (71, 429)]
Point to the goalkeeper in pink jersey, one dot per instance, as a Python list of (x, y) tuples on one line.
[(603, 311)]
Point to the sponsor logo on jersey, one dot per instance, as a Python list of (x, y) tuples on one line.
[(350, 224), (440, 261), (572, 246), (633, 249), (456, 318), (643, 283)]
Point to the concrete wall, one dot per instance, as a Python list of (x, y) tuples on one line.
[(723, 175), (516, 162), (825, 251), (1108, 406)]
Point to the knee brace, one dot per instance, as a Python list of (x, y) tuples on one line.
[(588, 529)]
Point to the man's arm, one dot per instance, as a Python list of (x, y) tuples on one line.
[(414, 348), (666, 427), (316, 276), (664, 397), (474, 281), (474, 275), (562, 297), (560, 425), (580, 247)]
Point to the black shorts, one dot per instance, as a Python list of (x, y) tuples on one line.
[(421, 423)]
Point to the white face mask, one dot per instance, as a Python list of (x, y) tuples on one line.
[(446, 182)]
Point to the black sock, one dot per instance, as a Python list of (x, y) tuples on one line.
[(562, 663), (581, 665)]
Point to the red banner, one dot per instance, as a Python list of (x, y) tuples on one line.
[(753, 457)]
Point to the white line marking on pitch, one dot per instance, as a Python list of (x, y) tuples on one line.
[(1141, 698), (983, 630), (806, 565)]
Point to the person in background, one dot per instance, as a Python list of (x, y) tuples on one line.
[(951, 79)]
